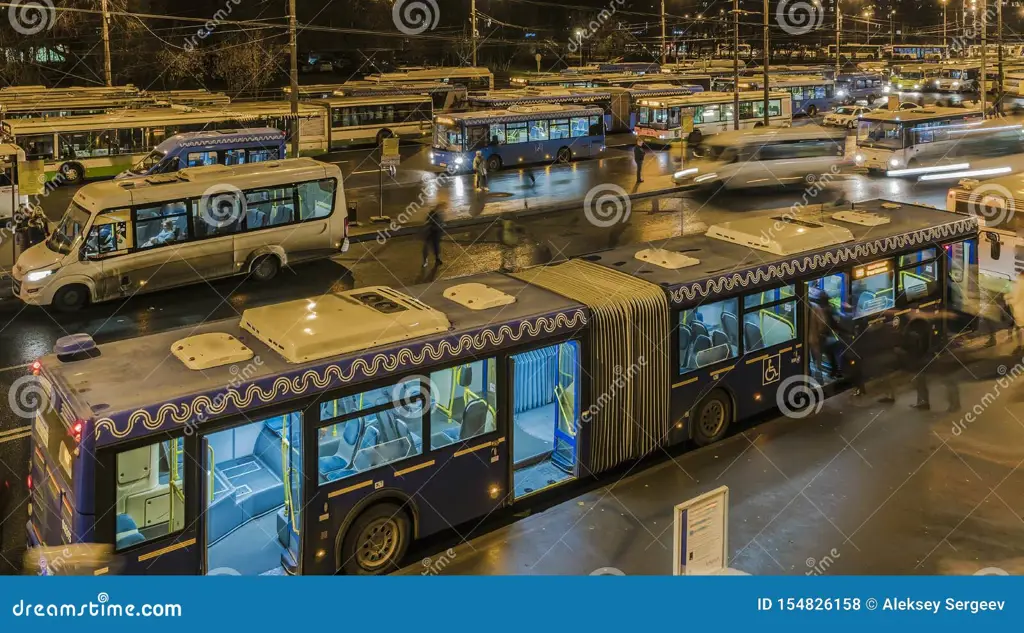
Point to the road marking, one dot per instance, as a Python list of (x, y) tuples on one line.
[(13, 367), (12, 438), (20, 429)]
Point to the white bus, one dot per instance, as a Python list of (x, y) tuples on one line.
[(856, 51), (901, 139), (473, 78), (959, 77), (360, 120), (810, 94), (1001, 245), (123, 237), (661, 120), (105, 145)]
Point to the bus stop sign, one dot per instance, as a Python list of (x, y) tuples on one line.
[(389, 156)]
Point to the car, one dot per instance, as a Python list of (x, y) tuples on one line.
[(844, 116)]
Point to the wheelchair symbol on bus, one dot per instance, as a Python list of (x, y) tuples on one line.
[(771, 369)]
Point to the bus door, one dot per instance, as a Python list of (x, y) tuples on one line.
[(963, 292), (824, 316), (545, 416), (876, 325), (252, 497)]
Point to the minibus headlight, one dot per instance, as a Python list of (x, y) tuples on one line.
[(459, 160), (39, 275), (894, 162), (859, 158)]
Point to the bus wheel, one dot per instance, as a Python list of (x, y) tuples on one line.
[(564, 155), (265, 268), (71, 298), (377, 541), (494, 163), (383, 134), (711, 418), (694, 138), (812, 110), (72, 173), (759, 124), (872, 98)]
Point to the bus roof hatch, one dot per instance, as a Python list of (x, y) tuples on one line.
[(213, 349), (310, 329), (477, 296), (780, 235)]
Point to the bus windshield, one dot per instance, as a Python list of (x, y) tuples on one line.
[(448, 136), (70, 228), (912, 74), (149, 162), (885, 134)]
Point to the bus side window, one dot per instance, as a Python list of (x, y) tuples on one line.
[(221, 216), (263, 155), (233, 157), (106, 238), (150, 499), (201, 159), (316, 199)]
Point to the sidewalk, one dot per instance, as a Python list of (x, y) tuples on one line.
[(557, 188)]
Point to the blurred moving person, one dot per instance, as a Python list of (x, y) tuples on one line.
[(433, 230), (1015, 301), (480, 169), (638, 158)]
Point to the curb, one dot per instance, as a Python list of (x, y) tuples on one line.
[(415, 229)]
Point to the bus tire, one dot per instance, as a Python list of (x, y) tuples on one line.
[(759, 124), (564, 155), (377, 541), (265, 268), (72, 173), (694, 138), (383, 134), (494, 163), (812, 110), (70, 298), (872, 98), (711, 418)]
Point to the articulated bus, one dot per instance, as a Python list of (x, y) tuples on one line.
[(85, 147), (364, 120), (445, 97), (810, 94), (518, 135), (77, 102), (473, 78), (924, 52), (660, 120), (327, 434), (1001, 245), (594, 97), (856, 51), (125, 237)]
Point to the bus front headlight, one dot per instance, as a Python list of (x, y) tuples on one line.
[(859, 159), (894, 163), (917, 86), (459, 160)]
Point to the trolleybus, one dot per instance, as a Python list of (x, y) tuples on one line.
[(661, 120)]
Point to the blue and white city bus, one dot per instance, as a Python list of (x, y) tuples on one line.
[(503, 99), (214, 147), (326, 435), (811, 94), (520, 135), (866, 86)]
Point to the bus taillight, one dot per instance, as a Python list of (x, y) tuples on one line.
[(36, 367), (76, 431), (28, 481)]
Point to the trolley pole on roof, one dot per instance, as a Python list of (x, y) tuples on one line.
[(293, 45), (984, 55), (107, 74), (735, 64), (663, 55), (764, 62)]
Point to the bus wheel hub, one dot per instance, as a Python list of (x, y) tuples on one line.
[(378, 543)]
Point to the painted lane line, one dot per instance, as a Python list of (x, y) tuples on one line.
[(4, 440), (20, 429)]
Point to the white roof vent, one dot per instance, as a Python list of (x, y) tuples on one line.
[(665, 258), (780, 235), (861, 218), (478, 296), (214, 349), (310, 329)]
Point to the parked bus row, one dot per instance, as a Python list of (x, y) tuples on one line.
[(328, 434)]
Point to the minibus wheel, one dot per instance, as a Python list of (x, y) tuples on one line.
[(564, 155), (72, 173), (812, 110), (383, 134), (494, 163), (265, 268), (70, 298), (376, 541), (711, 418)]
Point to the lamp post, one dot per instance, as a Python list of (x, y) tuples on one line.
[(892, 31), (943, 23), (735, 64), (579, 38), (839, 32)]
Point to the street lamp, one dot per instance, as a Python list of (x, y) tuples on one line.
[(892, 32), (943, 23), (579, 38)]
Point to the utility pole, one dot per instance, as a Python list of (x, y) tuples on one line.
[(735, 64), (293, 45), (839, 31), (944, 3), (663, 55), (108, 75), (984, 54), (999, 55), (764, 62), (472, 25)]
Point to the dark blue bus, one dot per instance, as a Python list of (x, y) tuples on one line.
[(325, 435), (212, 147)]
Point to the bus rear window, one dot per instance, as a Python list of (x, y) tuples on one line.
[(55, 437)]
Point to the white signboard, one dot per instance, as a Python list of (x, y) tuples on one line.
[(701, 541)]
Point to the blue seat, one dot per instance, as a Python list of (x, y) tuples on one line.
[(127, 532), (345, 450)]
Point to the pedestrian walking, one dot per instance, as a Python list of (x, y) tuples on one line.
[(822, 337), (942, 364), (433, 230), (638, 157), (1015, 300), (480, 169)]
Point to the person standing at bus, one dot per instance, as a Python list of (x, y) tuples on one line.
[(480, 169), (638, 158), (433, 230), (1015, 301)]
